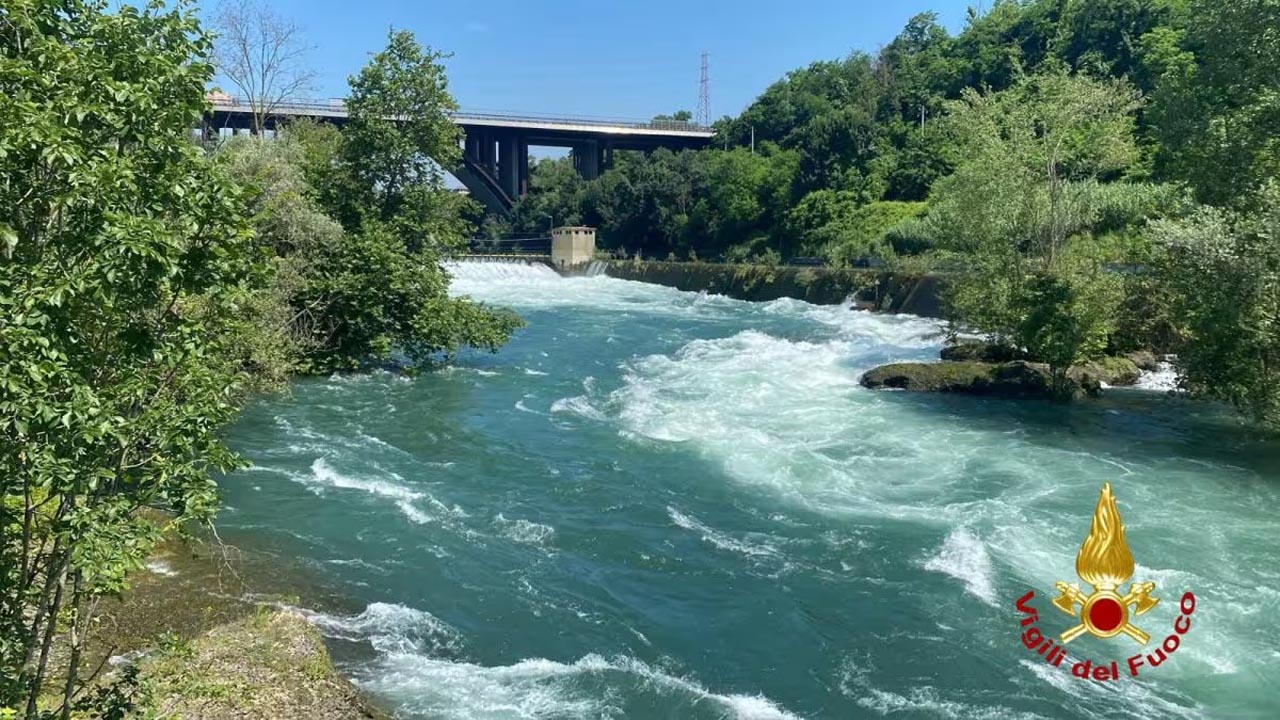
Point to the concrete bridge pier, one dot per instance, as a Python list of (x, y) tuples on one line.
[(485, 154), (586, 159), (522, 176), (509, 164)]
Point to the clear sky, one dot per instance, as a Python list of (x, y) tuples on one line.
[(611, 58)]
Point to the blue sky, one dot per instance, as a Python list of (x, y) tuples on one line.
[(604, 58)]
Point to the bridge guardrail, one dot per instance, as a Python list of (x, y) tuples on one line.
[(223, 100)]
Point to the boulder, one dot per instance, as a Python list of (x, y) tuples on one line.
[(1145, 360), (981, 351), (1113, 371), (1017, 378)]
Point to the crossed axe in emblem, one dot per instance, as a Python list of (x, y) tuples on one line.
[(1138, 595)]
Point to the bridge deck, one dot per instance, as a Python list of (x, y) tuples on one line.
[(336, 111)]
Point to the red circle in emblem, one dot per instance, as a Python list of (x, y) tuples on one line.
[(1106, 614)]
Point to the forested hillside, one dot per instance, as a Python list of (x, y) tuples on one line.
[(1092, 176), (845, 149)]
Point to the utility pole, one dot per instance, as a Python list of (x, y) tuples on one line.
[(704, 95), (753, 139)]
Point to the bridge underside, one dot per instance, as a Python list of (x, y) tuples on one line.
[(496, 159), (495, 162)]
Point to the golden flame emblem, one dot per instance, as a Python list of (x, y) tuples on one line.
[(1105, 562)]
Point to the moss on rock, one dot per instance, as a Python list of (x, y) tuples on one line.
[(271, 664), (1011, 379), (1015, 378), (1114, 371)]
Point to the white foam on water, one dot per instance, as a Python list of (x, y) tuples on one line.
[(505, 271), (789, 417), (523, 531), (537, 286), (719, 539), (579, 405), (541, 688), (1163, 379), (925, 701), (390, 628), (963, 556), (323, 475), (1126, 697)]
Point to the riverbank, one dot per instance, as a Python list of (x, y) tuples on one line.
[(871, 289), (210, 633), (270, 664)]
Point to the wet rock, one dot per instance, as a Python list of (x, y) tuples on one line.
[(1145, 360), (1107, 371), (1017, 378)]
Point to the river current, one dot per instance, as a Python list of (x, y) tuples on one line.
[(661, 504)]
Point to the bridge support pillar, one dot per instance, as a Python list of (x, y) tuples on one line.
[(509, 165), (488, 158), (586, 159), (522, 147)]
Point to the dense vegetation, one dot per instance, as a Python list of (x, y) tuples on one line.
[(1092, 175), (149, 286)]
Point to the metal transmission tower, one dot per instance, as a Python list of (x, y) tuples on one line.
[(704, 95)]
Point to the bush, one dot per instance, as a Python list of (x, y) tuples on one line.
[(1224, 271), (368, 299)]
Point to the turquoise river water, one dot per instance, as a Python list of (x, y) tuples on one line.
[(659, 504)]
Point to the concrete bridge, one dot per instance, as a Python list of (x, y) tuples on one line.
[(495, 164)]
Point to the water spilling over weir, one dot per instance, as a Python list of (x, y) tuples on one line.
[(655, 503)]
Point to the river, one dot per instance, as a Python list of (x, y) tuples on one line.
[(660, 504)]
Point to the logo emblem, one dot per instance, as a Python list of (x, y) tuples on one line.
[(1105, 562)]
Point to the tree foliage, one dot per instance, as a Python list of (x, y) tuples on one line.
[(126, 266), (1223, 268), (1021, 212), (1217, 108), (356, 222)]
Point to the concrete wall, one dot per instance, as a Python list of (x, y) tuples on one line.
[(572, 246), (870, 289)]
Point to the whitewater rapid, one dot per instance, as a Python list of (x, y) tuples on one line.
[(655, 503)]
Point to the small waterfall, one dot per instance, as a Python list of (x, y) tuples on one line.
[(487, 270), (596, 267)]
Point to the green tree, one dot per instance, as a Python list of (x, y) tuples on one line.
[(1224, 270), (126, 262), (1216, 117), (290, 225), (399, 141), (1021, 208), (382, 291)]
